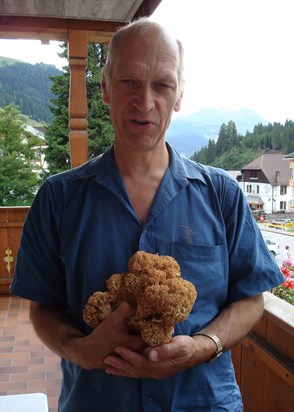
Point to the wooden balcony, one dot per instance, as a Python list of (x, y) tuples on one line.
[(264, 360)]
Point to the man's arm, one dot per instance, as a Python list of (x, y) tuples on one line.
[(55, 328), (234, 322), (184, 352)]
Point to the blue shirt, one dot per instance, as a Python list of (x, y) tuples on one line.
[(82, 228)]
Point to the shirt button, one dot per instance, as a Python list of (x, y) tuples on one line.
[(150, 401), (145, 230)]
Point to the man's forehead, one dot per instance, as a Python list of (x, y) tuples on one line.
[(141, 51), (147, 40)]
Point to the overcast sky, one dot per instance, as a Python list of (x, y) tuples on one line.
[(238, 53)]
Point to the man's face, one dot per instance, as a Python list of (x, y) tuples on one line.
[(143, 90)]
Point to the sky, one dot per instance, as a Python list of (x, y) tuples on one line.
[(238, 53)]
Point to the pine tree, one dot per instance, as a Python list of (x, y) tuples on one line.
[(18, 181), (100, 130)]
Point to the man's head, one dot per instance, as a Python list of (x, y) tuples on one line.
[(142, 27), (143, 82)]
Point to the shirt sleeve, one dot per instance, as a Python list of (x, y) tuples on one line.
[(252, 268), (39, 273)]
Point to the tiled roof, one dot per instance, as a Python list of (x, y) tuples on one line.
[(274, 166)]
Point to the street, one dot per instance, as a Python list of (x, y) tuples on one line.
[(282, 237)]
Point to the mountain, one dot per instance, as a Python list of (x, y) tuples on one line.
[(189, 133), (4, 61), (27, 86)]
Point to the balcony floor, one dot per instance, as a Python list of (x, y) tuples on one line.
[(26, 364)]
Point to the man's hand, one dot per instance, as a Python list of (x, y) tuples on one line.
[(161, 362), (57, 331), (109, 334), (183, 352)]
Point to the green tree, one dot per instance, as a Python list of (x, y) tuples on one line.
[(221, 141), (100, 130), (211, 151), (18, 181), (232, 135)]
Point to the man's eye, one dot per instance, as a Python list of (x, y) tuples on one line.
[(128, 81), (166, 85)]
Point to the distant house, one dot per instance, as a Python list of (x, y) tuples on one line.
[(39, 159), (290, 157), (267, 183)]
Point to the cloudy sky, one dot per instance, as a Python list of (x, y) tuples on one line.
[(238, 53)]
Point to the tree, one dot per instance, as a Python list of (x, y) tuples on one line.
[(100, 130), (18, 181), (100, 127), (221, 141)]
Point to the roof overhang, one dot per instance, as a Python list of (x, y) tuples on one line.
[(51, 20)]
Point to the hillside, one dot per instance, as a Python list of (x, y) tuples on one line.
[(189, 133), (4, 61), (27, 86)]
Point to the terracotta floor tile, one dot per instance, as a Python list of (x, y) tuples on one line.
[(5, 362), (4, 378), (26, 365), (29, 376)]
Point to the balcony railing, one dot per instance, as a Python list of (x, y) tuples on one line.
[(264, 360)]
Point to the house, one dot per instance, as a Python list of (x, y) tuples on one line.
[(266, 183), (39, 159), (290, 157)]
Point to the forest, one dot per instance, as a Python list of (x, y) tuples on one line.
[(232, 151), (28, 86)]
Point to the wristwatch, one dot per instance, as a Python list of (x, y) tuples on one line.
[(219, 347)]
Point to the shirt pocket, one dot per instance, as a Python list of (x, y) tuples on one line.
[(204, 266)]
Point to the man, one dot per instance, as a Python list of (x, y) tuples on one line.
[(85, 224)]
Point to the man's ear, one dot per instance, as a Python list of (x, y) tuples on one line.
[(105, 95), (178, 103)]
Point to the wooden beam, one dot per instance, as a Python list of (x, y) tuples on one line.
[(55, 29), (78, 107)]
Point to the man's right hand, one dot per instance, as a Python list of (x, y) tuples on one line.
[(109, 334), (56, 330)]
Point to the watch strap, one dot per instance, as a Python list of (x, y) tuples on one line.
[(219, 347)]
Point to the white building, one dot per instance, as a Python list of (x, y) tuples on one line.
[(266, 183)]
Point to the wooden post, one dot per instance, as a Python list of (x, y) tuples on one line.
[(78, 108)]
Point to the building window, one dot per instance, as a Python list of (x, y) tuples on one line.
[(257, 189), (283, 190), (282, 205), (249, 189), (253, 174)]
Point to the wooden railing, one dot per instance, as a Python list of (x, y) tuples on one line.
[(11, 223), (263, 361)]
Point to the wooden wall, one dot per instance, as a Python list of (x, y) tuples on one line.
[(11, 223), (264, 360)]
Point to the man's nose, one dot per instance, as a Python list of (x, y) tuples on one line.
[(144, 99)]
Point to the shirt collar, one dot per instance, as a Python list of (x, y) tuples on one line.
[(103, 166), (183, 168)]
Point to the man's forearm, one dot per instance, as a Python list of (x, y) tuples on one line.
[(56, 330), (236, 320)]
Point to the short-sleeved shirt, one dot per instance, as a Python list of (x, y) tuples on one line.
[(82, 228)]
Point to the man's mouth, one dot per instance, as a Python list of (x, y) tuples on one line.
[(141, 122)]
